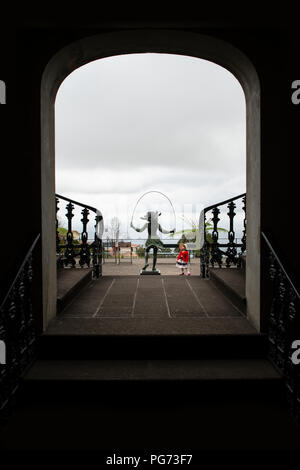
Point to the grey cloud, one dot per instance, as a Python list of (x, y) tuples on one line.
[(134, 109)]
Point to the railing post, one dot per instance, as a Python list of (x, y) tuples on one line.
[(231, 251), (84, 249), (204, 252), (70, 254), (58, 247), (244, 237), (97, 251), (216, 254)]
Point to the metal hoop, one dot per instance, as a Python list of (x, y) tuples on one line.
[(153, 191)]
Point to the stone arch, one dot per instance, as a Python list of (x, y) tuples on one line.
[(103, 45)]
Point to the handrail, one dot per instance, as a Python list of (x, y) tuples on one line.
[(223, 202), (280, 264), (20, 269), (78, 203)]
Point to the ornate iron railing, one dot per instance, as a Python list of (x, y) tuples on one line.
[(283, 327), (18, 330), (210, 251), (83, 253)]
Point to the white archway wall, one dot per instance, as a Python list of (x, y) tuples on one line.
[(159, 41)]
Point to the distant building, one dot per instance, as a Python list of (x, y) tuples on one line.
[(76, 235)]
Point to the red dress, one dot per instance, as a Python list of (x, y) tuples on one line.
[(182, 259)]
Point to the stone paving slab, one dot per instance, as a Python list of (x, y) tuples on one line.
[(150, 298), (181, 298)]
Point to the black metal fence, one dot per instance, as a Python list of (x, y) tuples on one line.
[(80, 252), (214, 252)]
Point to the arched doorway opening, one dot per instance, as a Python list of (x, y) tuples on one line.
[(100, 46), (158, 132)]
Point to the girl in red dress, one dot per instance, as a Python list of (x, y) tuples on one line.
[(183, 260)]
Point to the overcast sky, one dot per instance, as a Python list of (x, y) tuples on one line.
[(139, 122)]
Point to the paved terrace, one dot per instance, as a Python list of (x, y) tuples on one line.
[(166, 266), (123, 302)]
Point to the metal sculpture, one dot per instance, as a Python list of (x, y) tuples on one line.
[(153, 240)]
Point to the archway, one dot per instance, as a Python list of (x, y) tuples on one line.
[(159, 41)]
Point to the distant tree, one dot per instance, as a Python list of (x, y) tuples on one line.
[(113, 230)]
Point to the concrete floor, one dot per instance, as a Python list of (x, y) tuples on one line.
[(146, 305)]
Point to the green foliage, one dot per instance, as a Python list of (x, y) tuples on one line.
[(189, 235), (62, 231), (140, 252)]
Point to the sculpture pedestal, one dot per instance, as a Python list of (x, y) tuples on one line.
[(150, 272)]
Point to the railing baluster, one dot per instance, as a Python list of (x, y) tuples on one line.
[(216, 254), (59, 254), (231, 252), (70, 253), (97, 249), (85, 249), (56, 223), (244, 237)]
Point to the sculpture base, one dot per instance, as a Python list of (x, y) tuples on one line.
[(150, 272)]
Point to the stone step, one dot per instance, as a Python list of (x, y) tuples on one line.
[(116, 346), (70, 281), (231, 282), (87, 406), (142, 379), (115, 370)]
